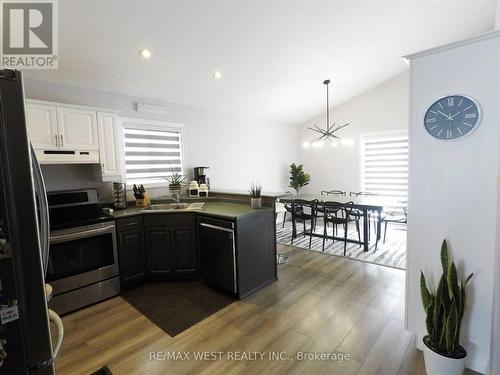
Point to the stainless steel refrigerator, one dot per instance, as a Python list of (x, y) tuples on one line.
[(25, 346)]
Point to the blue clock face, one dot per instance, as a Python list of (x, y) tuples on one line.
[(451, 117)]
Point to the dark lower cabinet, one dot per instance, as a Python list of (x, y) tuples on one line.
[(159, 251), (184, 249), (171, 245), (131, 255), (238, 255)]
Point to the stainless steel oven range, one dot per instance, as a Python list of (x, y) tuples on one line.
[(83, 261)]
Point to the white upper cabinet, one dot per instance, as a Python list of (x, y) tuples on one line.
[(69, 134), (77, 128), (110, 146), (42, 126)]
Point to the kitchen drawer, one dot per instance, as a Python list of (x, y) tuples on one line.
[(129, 223), (167, 220)]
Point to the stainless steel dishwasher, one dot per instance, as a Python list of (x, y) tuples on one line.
[(217, 251)]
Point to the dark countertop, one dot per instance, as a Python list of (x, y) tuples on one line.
[(224, 210), (229, 210), (129, 211), (264, 194)]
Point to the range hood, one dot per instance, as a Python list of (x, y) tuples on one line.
[(67, 156)]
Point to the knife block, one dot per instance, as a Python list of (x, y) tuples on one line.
[(144, 202)]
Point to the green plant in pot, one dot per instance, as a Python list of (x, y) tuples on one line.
[(255, 195), (444, 308), (298, 178), (175, 180)]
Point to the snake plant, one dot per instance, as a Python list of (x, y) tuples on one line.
[(445, 309), (175, 178), (255, 190)]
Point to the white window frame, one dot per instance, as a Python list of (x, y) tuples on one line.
[(365, 136), (145, 124)]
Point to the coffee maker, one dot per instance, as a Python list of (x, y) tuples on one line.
[(200, 176)]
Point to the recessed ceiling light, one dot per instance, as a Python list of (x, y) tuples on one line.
[(217, 75), (145, 53)]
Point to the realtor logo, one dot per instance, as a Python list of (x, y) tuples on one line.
[(29, 34)]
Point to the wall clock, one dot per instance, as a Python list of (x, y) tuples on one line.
[(452, 117)]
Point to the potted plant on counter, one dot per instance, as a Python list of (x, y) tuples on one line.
[(298, 179), (174, 181), (444, 310), (255, 196)]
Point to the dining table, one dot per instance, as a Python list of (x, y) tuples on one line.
[(363, 203)]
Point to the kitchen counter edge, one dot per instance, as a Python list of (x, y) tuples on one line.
[(212, 211)]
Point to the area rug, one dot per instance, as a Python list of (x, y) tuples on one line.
[(176, 306), (392, 253)]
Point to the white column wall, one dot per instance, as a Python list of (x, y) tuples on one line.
[(453, 189)]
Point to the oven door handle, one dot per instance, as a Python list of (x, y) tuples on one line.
[(84, 234)]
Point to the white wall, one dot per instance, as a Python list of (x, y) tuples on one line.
[(454, 186), (383, 108), (497, 17), (495, 338), (237, 149)]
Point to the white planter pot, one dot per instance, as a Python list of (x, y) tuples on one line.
[(437, 364), (256, 202)]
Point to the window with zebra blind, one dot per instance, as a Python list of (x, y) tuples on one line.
[(384, 164), (152, 152)]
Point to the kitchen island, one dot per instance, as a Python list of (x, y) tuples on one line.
[(227, 244)]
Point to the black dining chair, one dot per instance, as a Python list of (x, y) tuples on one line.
[(339, 213), (358, 193), (303, 210), (333, 192), (397, 216), (319, 209), (288, 208)]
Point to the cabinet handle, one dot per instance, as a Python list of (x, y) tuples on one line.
[(57, 140), (62, 140)]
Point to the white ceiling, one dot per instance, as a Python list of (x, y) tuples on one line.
[(274, 55)]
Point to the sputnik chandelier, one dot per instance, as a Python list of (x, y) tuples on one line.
[(328, 134)]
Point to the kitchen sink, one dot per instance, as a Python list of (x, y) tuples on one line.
[(167, 207)]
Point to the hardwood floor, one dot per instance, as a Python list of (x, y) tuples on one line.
[(321, 303)]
